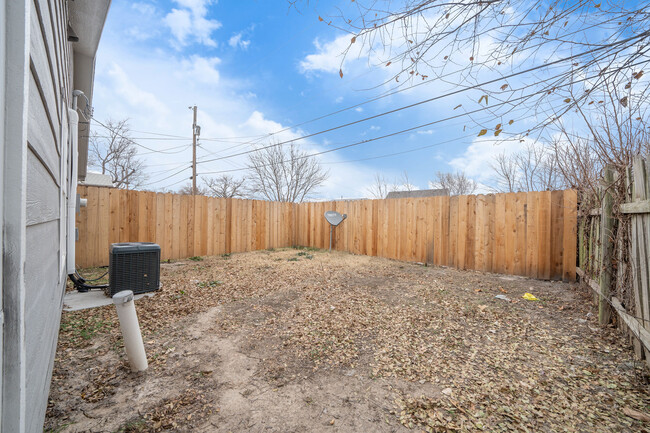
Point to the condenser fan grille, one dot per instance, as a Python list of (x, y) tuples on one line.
[(134, 266)]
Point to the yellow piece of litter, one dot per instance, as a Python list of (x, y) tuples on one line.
[(530, 297)]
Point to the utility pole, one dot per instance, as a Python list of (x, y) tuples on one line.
[(195, 131)]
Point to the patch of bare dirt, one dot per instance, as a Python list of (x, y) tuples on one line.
[(300, 341)]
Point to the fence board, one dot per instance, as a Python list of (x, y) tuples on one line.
[(142, 217), (81, 257), (198, 223), (499, 244), (510, 233), (103, 224), (444, 216), (93, 223), (431, 239), (462, 233), (453, 232), (169, 225), (160, 222), (532, 230), (556, 240), (544, 236), (113, 216), (480, 232), (220, 228), (569, 234)]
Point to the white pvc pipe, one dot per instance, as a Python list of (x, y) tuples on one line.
[(72, 189), (130, 330)]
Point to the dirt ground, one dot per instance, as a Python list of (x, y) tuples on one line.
[(297, 340)]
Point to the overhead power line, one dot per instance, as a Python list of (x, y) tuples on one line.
[(404, 131), (129, 138), (172, 184), (425, 101), (170, 176), (257, 138)]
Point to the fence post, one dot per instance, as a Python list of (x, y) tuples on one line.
[(606, 249), (582, 248)]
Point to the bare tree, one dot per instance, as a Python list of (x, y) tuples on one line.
[(507, 174), (115, 154), (380, 188), (405, 182), (285, 174), (226, 186), (616, 132), (535, 168), (188, 190), (455, 183), (579, 165)]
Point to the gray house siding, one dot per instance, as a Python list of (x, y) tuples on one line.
[(44, 270), (37, 66)]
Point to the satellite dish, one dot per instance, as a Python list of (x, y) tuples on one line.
[(334, 218)]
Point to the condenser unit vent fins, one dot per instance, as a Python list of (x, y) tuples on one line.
[(134, 266)]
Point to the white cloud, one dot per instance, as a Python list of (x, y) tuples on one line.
[(132, 94), (328, 56), (180, 23), (477, 159), (202, 69), (425, 132), (144, 8), (190, 23), (238, 41), (359, 110)]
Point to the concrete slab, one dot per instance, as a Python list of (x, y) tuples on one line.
[(74, 301)]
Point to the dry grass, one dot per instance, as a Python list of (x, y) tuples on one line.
[(347, 343)]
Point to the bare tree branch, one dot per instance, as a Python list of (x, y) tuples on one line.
[(460, 42), (535, 168), (455, 183), (380, 188), (188, 190), (115, 155), (284, 174), (226, 186)]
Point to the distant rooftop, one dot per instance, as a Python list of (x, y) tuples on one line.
[(418, 193), (97, 179)]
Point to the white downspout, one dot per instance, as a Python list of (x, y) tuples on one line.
[(72, 186)]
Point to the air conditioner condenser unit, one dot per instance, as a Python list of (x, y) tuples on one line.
[(134, 266)]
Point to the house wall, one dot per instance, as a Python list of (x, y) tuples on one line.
[(37, 77), (37, 83), (49, 95)]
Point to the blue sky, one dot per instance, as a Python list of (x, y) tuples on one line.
[(257, 67)]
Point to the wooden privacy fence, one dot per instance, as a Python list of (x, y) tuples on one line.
[(183, 225), (531, 234), (615, 251)]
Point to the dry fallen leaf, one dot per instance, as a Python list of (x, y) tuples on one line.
[(430, 332), (636, 414)]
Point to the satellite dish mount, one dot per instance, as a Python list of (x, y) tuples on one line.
[(334, 218)]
